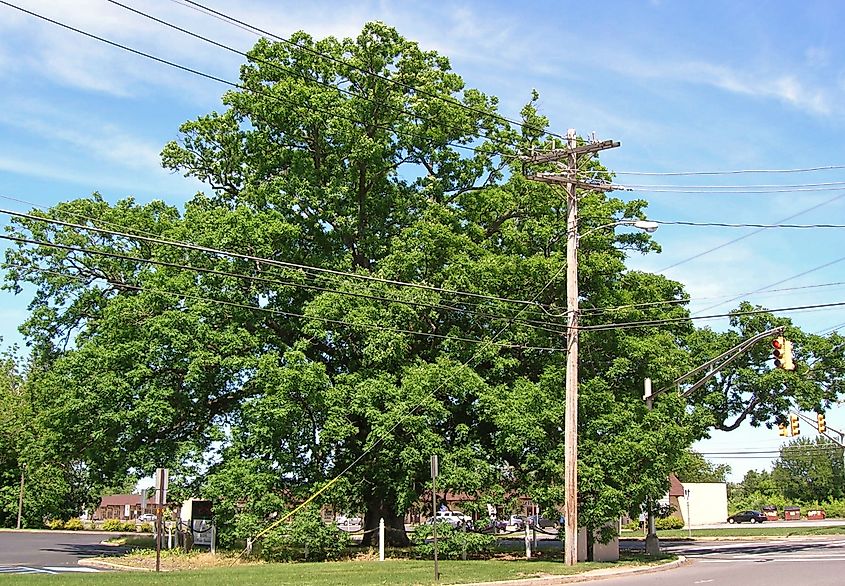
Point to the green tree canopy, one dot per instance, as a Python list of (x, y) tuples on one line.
[(305, 357)]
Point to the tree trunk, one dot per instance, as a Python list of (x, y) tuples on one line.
[(591, 542), (394, 525)]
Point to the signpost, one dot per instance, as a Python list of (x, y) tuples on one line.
[(162, 476), (435, 470)]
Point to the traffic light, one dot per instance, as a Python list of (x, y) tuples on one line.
[(782, 353), (782, 429), (822, 426), (793, 425)]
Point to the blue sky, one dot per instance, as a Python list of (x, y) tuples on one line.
[(684, 86)]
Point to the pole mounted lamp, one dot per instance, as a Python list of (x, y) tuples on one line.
[(571, 413)]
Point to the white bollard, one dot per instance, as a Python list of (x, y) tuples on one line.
[(527, 542), (381, 539)]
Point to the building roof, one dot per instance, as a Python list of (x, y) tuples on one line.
[(120, 499), (675, 486)]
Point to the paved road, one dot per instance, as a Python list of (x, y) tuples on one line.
[(819, 561), (50, 551)]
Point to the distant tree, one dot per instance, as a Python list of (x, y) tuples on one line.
[(693, 467), (810, 470)]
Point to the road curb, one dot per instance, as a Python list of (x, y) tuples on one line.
[(590, 576), (97, 563)]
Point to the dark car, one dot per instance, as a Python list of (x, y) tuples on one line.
[(749, 516)]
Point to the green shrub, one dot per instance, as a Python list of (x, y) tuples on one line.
[(113, 525), (146, 528), (669, 523), (129, 526), (73, 524), (56, 524), (305, 538), (451, 542), (632, 525), (834, 508)]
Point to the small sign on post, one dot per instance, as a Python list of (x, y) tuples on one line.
[(435, 470), (162, 476)]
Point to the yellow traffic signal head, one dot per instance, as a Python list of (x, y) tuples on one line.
[(794, 422), (782, 429), (782, 353), (822, 425)]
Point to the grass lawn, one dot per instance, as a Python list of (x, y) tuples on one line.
[(737, 531), (352, 573)]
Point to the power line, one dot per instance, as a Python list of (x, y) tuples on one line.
[(294, 73), (305, 273), (731, 172), (750, 234), (840, 184), (190, 296), (259, 31), (761, 289), (739, 225), (217, 272), (220, 79), (675, 320), (619, 187), (252, 258)]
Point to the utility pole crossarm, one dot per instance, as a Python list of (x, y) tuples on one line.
[(565, 179), (558, 154)]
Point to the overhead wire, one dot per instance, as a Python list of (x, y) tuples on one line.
[(221, 80), (363, 325), (530, 323), (677, 320), (272, 262), (588, 312), (730, 172), (750, 234), (131, 230), (742, 225), (781, 281), (259, 31), (307, 78)]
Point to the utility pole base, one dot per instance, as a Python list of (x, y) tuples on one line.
[(652, 544)]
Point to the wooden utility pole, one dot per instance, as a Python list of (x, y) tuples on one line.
[(569, 177)]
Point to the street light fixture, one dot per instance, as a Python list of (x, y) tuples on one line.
[(570, 442)]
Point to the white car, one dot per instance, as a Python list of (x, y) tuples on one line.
[(454, 518), (146, 518)]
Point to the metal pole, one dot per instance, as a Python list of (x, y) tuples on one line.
[(434, 471), (570, 481), (381, 539), (652, 543), (159, 517), (689, 519)]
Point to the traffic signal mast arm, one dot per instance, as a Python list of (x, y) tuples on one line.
[(712, 366)]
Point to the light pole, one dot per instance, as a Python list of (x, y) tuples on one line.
[(570, 478), (567, 174)]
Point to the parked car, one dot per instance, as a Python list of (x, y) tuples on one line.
[(349, 523), (146, 518), (518, 522), (749, 516), (541, 522), (454, 518)]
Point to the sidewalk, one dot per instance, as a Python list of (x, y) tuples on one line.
[(586, 576)]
